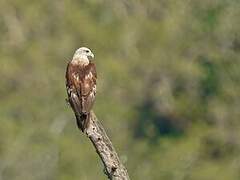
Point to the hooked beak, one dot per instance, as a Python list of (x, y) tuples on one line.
[(91, 55)]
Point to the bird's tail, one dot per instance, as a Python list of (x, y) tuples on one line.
[(83, 121), (83, 118)]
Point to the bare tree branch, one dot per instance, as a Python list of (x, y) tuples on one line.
[(114, 169)]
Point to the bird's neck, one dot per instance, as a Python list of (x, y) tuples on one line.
[(80, 60)]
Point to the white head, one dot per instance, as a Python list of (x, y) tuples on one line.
[(81, 55)]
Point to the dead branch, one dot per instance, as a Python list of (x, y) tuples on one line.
[(114, 169)]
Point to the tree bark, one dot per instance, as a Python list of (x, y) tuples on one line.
[(114, 169)]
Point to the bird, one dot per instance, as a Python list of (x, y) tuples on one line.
[(81, 85)]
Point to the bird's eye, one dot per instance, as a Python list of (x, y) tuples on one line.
[(87, 51)]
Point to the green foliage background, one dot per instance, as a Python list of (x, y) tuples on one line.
[(168, 87)]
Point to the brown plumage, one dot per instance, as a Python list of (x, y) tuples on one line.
[(81, 84)]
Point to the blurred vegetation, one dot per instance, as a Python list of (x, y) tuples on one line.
[(168, 87)]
